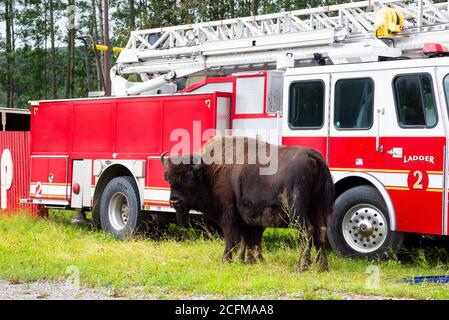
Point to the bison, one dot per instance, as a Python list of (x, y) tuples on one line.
[(229, 182)]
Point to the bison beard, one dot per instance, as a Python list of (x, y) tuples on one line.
[(244, 202)]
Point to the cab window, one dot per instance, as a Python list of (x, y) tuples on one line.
[(415, 102), (306, 105), (354, 103)]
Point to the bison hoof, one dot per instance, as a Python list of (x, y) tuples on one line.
[(251, 260), (324, 267), (227, 259), (242, 257), (302, 267)]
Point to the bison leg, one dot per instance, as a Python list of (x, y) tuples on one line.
[(251, 259), (300, 221), (232, 235), (182, 217), (252, 237), (242, 253), (320, 244), (231, 245), (247, 247), (259, 252), (258, 234), (319, 238), (306, 242)]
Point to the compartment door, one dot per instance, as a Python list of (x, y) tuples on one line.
[(49, 177), (81, 176), (188, 122)]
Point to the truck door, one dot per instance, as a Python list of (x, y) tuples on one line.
[(413, 143), (306, 110), (353, 143), (443, 89)]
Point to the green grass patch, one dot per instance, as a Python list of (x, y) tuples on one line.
[(186, 264)]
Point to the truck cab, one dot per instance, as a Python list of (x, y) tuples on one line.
[(383, 128)]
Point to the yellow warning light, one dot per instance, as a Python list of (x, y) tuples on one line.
[(389, 22), (117, 49), (101, 47)]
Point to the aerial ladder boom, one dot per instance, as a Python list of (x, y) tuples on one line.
[(346, 33)]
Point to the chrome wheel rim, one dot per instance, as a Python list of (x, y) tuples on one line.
[(364, 228), (118, 211)]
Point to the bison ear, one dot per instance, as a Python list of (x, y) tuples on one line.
[(164, 162)]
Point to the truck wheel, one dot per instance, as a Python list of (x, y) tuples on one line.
[(120, 212), (96, 220), (360, 226)]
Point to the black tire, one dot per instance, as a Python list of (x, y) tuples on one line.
[(362, 205), (96, 219), (120, 212)]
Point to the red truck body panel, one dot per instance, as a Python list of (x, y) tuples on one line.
[(118, 129)]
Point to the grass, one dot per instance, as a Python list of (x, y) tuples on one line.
[(52, 249)]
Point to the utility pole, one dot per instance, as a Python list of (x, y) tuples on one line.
[(107, 53), (71, 47)]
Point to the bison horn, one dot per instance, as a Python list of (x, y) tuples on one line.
[(163, 161)]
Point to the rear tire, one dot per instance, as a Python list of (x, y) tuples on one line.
[(360, 225), (120, 212), (96, 219)]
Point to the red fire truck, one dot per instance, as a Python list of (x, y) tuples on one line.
[(364, 83)]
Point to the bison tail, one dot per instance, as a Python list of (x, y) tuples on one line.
[(325, 196)]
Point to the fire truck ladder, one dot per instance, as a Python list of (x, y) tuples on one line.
[(346, 33)]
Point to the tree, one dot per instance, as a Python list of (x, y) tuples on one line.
[(9, 52), (132, 15), (94, 33), (54, 92), (255, 7)]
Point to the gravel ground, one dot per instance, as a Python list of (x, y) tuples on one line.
[(44, 290)]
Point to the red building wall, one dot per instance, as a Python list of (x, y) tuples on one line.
[(15, 171)]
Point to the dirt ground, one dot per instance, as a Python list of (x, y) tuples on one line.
[(44, 290)]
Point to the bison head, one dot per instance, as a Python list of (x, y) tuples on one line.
[(184, 174)]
